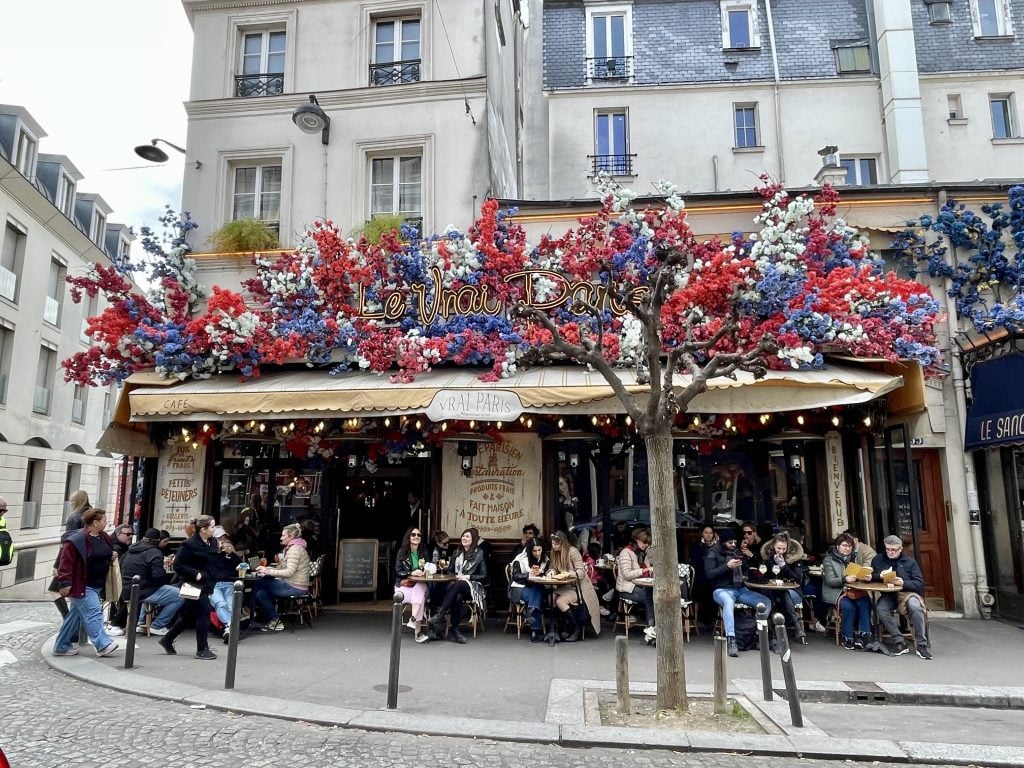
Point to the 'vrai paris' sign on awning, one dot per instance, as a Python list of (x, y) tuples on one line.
[(996, 415)]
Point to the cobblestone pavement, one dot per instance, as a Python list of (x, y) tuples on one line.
[(49, 720)]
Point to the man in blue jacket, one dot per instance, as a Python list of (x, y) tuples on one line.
[(910, 601)]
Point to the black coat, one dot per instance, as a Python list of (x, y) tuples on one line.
[(197, 557), (145, 560), (720, 575), (474, 566), (224, 567), (403, 564), (905, 567)]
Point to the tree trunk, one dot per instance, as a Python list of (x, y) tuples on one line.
[(664, 559)]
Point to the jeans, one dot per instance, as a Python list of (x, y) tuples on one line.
[(854, 616), (268, 589), (533, 596), (729, 598), (885, 609), (643, 595), (87, 610), (220, 600), (167, 600)]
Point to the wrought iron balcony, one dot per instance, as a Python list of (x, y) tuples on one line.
[(610, 68), (616, 165), (268, 84), (395, 72)]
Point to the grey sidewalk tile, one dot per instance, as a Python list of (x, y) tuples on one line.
[(950, 695), (746, 743), (613, 736), (442, 725), (269, 706), (852, 749), (963, 754)]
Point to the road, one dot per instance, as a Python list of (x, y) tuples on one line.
[(49, 720)]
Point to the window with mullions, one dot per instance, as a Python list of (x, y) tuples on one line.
[(609, 44), (1004, 123), (852, 57), (739, 24), (257, 193), (745, 122), (262, 65), (396, 186), (991, 18), (396, 52), (611, 144), (860, 171)]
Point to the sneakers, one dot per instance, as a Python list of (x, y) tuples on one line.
[(68, 652), (923, 652), (206, 654), (900, 649), (158, 631), (731, 646), (108, 650), (114, 631), (411, 624), (819, 628), (226, 637), (457, 636), (168, 647), (422, 637), (650, 633), (274, 626), (605, 611), (849, 644)]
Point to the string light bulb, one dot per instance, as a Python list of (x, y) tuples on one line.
[(561, 423), (800, 420), (835, 421)]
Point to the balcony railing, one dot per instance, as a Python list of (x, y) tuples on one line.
[(8, 283), (51, 310), (616, 165), (610, 68), (268, 84), (395, 72)]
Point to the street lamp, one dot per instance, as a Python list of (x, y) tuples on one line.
[(154, 154), (311, 118)]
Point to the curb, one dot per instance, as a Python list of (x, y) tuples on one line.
[(91, 671)]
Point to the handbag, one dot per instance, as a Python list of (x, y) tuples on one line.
[(406, 583), (112, 587), (189, 591)]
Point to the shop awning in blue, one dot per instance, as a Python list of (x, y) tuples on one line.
[(996, 414)]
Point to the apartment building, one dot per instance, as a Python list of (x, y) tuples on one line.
[(48, 429)]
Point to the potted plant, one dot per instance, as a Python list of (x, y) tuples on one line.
[(244, 235)]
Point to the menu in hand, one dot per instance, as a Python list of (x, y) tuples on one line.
[(859, 572), (888, 575)]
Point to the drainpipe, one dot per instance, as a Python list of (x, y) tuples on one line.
[(775, 91), (983, 595), (714, 170)]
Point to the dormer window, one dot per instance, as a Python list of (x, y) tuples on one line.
[(25, 154), (739, 24), (939, 11), (98, 228), (66, 195)]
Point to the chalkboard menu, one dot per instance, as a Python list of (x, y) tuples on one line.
[(357, 565)]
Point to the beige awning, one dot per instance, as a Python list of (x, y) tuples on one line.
[(554, 390), (127, 441)]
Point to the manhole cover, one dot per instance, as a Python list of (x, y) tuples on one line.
[(384, 688)]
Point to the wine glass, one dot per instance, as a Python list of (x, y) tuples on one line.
[(776, 570)]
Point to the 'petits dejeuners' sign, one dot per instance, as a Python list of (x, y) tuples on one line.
[(483, 404), (432, 300)]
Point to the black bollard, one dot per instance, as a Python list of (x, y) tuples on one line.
[(396, 649), (133, 620), (236, 611), (787, 670), (765, 646)]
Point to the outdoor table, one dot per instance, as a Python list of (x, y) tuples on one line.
[(552, 585), (435, 579), (773, 585), (876, 588), (644, 581), (605, 565)]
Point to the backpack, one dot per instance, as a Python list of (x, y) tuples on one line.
[(746, 631), (6, 547)]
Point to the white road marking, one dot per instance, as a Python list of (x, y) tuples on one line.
[(6, 657)]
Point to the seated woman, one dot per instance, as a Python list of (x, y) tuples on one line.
[(854, 605), (565, 558), (530, 562), (630, 564), (782, 558), (470, 572), (409, 562), (290, 577)]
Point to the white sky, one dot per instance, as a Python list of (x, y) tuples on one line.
[(100, 77)]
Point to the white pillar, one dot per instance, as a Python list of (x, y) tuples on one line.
[(901, 92)]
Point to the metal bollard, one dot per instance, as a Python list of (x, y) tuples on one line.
[(787, 670), (622, 675), (765, 646), (396, 649), (236, 621), (133, 620), (721, 704)]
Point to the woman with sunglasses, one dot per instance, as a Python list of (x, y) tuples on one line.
[(408, 563), (470, 571)]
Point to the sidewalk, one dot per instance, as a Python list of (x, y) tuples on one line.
[(337, 672)]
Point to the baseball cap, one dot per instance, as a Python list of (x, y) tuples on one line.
[(219, 531)]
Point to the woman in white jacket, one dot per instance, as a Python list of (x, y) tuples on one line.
[(290, 576)]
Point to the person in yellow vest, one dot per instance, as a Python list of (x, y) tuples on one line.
[(6, 542)]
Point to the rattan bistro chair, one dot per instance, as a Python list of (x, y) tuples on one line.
[(516, 609)]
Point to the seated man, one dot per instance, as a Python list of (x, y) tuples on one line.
[(908, 602), (145, 560), (223, 572), (725, 569)]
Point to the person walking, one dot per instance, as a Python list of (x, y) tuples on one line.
[(194, 565), (85, 558)]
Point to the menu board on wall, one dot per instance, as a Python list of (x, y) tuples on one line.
[(179, 486), (502, 492)]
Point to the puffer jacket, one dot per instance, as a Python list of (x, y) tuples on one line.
[(792, 570), (294, 566), (145, 560), (627, 568)]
